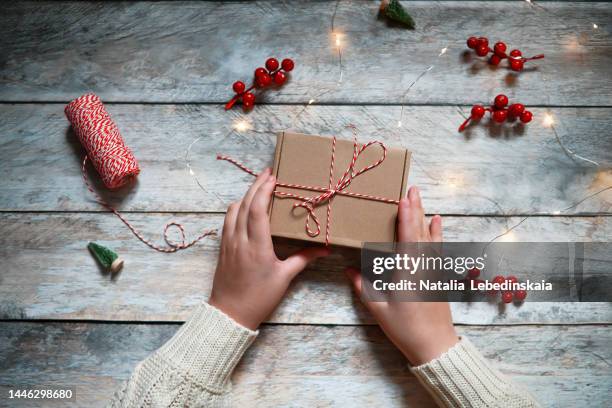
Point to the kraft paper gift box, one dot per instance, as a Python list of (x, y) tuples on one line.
[(305, 160)]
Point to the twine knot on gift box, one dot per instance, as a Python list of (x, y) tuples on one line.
[(327, 193)]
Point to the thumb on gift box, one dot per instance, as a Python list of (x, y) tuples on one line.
[(300, 260)]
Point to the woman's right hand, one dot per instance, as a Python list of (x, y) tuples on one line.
[(422, 331), (250, 281)]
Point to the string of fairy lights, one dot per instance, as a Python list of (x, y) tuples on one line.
[(549, 122), (242, 125)]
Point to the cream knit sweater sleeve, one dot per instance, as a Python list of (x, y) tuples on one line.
[(462, 377), (193, 368)]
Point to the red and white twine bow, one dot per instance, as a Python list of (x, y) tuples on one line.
[(327, 193)]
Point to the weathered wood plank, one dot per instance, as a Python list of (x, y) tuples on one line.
[(47, 273), (485, 171), (191, 52), (306, 366)]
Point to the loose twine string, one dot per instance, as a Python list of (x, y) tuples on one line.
[(114, 162), (172, 246), (327, 194)]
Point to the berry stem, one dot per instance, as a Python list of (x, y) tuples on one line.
[(464, 124), (236, 97), (467, 121), (232, 102), (525, 59), (535, 57)]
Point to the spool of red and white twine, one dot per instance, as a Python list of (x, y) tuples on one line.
[(113, 161), (100, 137)]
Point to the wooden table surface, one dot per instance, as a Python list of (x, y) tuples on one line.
[(164, 71)]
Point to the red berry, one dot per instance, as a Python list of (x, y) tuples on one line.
[(478, 111), (239, 87), (272, 64), (498, 279), (516, 64), (473, 273), (500, 115), (260, 71), (478, 282), (515, 53), (526, 117), (247, 105), (501, 101), (507, 297), (472, 42), (287, 64), (500, 49), (279, 78), (264, 80), (520, 294), (516, 109), (512, 279), (482, 50), (494, 60), (248, 98), (483, 42)]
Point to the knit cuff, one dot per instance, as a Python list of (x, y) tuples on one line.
[(208, 347), (462, 377)]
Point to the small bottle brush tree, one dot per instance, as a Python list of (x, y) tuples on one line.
[(393, 10), (106, 257)]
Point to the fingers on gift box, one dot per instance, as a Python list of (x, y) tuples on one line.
[(337, 192)]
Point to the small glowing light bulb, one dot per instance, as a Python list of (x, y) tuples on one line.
[(548, 120), (310, 102), (399, 123), (338, 39), (557, 212), (595, 26), (443, 51), (242, 125), (509, 236), (191, 172)]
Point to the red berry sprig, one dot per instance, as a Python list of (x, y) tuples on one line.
[(518, 295), (273, 73), (500, 112), (515, 58)]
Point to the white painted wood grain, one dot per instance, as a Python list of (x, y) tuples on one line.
[(192, 52), (487, 170), (47, 272)]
